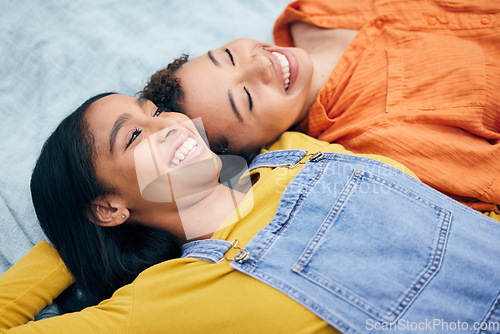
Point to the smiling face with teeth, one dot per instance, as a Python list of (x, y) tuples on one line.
[(151, 159), (247, 93), (285, 68)]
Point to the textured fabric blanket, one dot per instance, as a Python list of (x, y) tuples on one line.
[(55, 54)]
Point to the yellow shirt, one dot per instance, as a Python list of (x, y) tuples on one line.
[(177, 296)]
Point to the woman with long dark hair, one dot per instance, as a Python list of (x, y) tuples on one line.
[(64, 178), (326, 240)]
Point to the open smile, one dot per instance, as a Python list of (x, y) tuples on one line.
[(286, 64), (285, 68), (184, 150)]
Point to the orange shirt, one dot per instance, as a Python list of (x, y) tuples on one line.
[(420, 84)]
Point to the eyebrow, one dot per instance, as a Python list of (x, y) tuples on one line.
[(212, 58), (115, 129), (141, 101)]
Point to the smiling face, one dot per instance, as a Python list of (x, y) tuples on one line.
[(140, 149), (247, 93)]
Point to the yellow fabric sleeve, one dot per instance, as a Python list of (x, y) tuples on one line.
[(31, 284), (38, 278)]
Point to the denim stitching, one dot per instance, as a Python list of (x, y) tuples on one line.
[(304, 183), (313, 244), (492, 316), (431, 266)]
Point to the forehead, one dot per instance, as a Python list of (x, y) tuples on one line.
[(205, 90), (105, 111), (195, 75), (111, 105), (103, 114), (113, 169)]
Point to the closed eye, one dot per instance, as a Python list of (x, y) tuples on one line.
[(250, 100), (220, 145), (230, 55)]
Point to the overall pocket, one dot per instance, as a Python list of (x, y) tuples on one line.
[(364, 255)]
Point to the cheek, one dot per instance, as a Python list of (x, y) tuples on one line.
[(125, 177), (278, 113), (121, 182), (210, 111), (131, 188), (252, 137), (214, 122), (194, 111)]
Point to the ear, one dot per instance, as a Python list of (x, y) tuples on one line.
[(108, 211)]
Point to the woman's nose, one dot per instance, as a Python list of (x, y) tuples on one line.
[(161, 128), (166, 133), (257, 68), (169, 132)]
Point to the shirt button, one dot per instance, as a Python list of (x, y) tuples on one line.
[(379, 24), (485, 20), (432, 21)]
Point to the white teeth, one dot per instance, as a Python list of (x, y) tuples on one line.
[(190, 143), (183, 151), (285, 66)]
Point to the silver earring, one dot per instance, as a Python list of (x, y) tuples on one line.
[(123, 216), (270, 64)]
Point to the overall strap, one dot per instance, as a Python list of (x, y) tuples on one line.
[(281, 158), (211, 250)]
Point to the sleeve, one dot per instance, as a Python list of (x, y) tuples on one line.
[(111, 316), (329, 14), (39, 277), (31, 284)]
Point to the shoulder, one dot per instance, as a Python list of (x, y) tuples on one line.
[(316, 39), (296, 140)]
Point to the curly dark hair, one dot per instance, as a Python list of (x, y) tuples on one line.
[(164, 89)]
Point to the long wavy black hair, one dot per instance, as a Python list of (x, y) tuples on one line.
[(63, 186)]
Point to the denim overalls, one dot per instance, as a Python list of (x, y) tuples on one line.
[(368, 248)]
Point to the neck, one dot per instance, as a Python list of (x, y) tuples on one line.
[(188, 221), (201, 220), (325, 48)]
